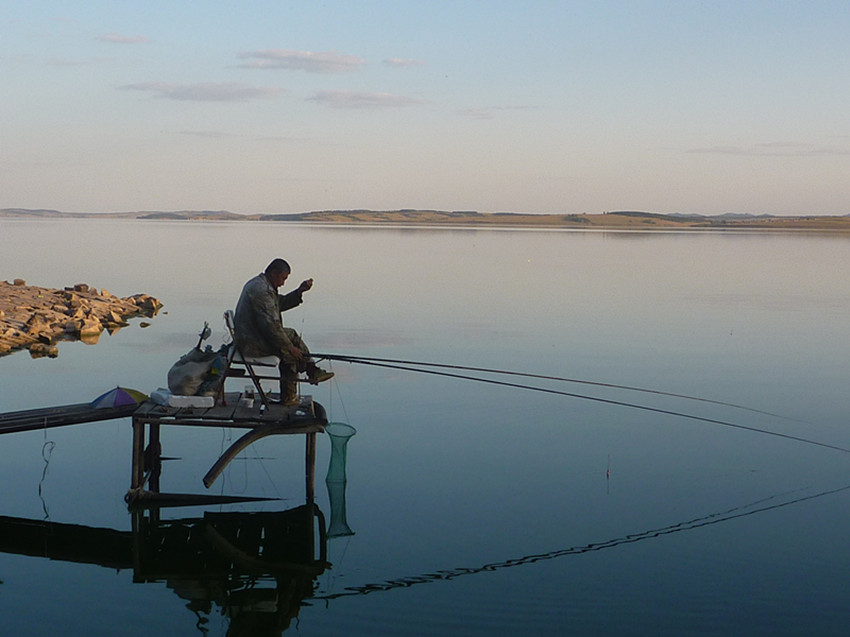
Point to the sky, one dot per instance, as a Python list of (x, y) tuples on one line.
[(539, 106)]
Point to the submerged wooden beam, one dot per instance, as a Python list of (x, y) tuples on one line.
[(142, 499)]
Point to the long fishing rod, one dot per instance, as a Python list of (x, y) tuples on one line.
[(607, 401), (354, 359)]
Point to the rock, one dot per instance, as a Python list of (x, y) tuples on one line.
[(38, 350), (90, 327), (31, 315)]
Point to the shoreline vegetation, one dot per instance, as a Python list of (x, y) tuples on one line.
[(36, 318), (614, 220)]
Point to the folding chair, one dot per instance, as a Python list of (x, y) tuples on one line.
[(258, 367)]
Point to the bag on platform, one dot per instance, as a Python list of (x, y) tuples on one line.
[(198, 372)]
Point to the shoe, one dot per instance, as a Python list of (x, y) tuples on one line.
[(319, 375)]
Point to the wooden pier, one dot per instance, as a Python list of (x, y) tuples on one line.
[(47, 417), (307, 418)]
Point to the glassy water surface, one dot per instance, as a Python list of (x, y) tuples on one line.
[(475, 508)]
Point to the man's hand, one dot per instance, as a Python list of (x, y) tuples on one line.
[(296, 353), (305, 285)]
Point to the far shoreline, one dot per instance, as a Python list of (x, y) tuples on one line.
[(615, 220)]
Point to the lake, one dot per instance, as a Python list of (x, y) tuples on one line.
[(476, 508)]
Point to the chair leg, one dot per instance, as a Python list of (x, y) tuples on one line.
[(220, 394), (257, 384)]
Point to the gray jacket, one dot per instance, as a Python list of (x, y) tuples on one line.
[(258, 324)]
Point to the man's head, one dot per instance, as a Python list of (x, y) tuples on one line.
[(277, 272)]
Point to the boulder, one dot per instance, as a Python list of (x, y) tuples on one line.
[(90, 327)]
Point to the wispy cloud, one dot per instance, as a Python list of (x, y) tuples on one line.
[(489, 112), (403, 62), (356, 99), (217, 134), (773, 149), (117, 38), (208, 134), (477, 113), (307, 61), (70, 62), (206, 91)]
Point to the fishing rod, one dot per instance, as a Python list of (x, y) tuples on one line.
[(607, 401), (355, 359)]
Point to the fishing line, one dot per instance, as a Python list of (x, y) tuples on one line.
[(607, 401), (268, 475), (355, 359)]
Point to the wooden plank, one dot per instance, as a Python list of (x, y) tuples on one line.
[(60, 416), (301, 418)]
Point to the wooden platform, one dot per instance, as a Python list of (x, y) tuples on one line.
[(307, 418)]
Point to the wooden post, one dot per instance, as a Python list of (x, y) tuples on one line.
[(154, 456), (138, 469), (310, 466)]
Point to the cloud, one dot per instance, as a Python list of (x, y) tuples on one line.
[(117, 38), (355, 99), (477, 113), (773, 149), (403, 62), (206, 91), (489, 112), (307, 61), (216, 134), (207, 134), (70, 62)]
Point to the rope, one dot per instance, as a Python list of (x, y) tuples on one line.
[(46, 453)]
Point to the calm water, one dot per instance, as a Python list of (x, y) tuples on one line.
[(476, 508)]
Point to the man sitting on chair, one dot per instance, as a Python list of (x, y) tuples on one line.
[(259, 329)]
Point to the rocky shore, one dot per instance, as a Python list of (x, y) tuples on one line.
[(36, 318)]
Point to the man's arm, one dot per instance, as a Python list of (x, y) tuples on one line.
[(294, 298)]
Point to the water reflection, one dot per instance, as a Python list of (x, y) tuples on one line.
[(759, 506), (256, 568)]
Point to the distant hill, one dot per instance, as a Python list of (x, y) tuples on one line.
[(193, 215), (612, 220)]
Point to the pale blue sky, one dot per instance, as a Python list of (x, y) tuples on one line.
[(527, 106)]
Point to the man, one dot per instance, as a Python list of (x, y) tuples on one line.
[(259, 329)]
